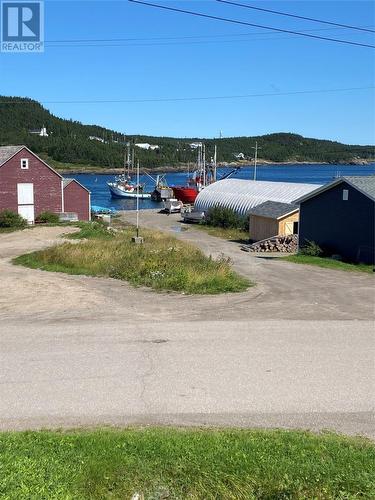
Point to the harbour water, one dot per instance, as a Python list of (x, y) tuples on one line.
[(314, 173)]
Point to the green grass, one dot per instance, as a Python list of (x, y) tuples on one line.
[(184, 464), (10, 229), (328, 263), (72, 167), (161, 263), (230, 234)]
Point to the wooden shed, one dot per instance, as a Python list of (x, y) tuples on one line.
[(273, 218), (77, 199), (28, 185), (340, 218)]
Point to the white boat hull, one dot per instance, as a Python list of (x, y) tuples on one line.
[(117, 192)]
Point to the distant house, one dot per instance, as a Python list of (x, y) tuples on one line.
[(195, 145), (95, 138), (29, 186), (340, 218), (239, 156), (147, 146), (273, 218), (42, 132)]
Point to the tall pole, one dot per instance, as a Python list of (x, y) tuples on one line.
[(215, 161), (204, 164), (255, 159), (137, 203)]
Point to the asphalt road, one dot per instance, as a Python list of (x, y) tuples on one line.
[(296, 351)]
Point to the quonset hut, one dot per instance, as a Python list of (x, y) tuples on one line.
[(242, 195)]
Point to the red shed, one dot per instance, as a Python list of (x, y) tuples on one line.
[(77, 199), (29, 186)]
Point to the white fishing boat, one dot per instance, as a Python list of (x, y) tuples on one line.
[(123, 186)]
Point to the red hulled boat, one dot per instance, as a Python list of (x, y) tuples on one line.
[(185, 194)]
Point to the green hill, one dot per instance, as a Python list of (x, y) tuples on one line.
[(69, 142)]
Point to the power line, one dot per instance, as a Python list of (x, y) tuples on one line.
[(295, 16), (175, 41), (200, 98), (172, 38), (244, 23)]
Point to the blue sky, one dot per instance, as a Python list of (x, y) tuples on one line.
[(217, 59)]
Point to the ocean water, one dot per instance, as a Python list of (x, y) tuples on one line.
[(315, 174)]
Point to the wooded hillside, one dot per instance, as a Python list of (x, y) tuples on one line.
[(68, 141)]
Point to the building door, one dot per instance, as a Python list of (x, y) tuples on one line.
[(288, 228), (25, 196)]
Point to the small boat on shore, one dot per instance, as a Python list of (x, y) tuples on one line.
[(172, 205)]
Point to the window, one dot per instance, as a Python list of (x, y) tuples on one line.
[(24, 164), (345, 194)]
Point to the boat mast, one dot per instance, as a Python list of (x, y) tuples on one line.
[(128, 157), (133, 159)]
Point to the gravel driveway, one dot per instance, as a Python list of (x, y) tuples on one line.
[(294, 351)]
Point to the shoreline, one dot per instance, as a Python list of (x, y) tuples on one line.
[(184, 167)]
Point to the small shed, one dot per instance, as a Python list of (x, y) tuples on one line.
[(76, 199), (340, 218), (273, 218)]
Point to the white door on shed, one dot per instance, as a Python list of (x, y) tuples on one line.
[(27, 212), (25, 195)]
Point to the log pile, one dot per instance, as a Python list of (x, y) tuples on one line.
[(285, 244)]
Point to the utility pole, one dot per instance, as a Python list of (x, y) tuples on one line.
[(215, 163), (137, 239), (255, 159), (204, 164), (137, 198)]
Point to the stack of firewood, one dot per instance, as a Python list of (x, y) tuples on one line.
[(287, 244)]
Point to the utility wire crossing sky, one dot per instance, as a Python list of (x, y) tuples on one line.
[(244, 23), (245, 67)]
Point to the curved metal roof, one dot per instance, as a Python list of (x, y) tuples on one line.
[(241, 195)]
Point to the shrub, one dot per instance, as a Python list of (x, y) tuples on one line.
[(49, 217), (311, 248), (226, 218), (11, 219)]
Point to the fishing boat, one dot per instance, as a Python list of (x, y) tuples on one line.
[(203, 175), (123, 186)]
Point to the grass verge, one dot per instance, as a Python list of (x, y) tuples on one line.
[(4, 230), (328, 263), (180, 464), (161, 263), (225, 233)]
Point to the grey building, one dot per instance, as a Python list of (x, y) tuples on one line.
[(340, 218)]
